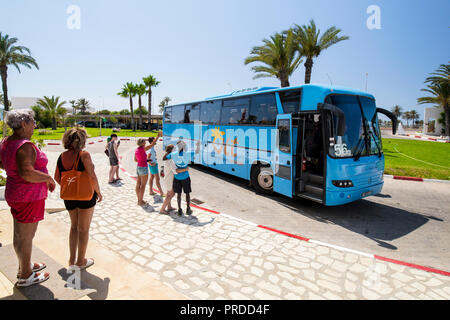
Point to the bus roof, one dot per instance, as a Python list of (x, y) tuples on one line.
[(318, 91)]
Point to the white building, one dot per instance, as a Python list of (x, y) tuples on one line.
[(431, 119), (23, 102)]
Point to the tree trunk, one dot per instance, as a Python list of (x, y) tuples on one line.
[(4, 73), (132, 114), (149, 117), (140, 113), (447, 122), (284, 80), (308, 70), (53, 123)]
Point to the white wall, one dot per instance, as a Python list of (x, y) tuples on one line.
[(432, 114)]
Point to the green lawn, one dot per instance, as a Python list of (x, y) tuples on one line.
[(431, 159), (94, 132)]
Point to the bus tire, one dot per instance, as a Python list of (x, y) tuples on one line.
[(262, 178)]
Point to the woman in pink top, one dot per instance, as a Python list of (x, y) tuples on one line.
[(140, 156), (26, 190)]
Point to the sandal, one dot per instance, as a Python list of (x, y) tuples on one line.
[(89, 262), (34, 278), (35, 267)]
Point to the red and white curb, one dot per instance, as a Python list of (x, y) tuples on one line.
[(415, 179), (49, 143), (427, 138), (320, 243)]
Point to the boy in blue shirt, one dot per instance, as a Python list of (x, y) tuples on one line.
[(182, 180)]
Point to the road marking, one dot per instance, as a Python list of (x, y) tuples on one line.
[(428, 269), (343, 249)]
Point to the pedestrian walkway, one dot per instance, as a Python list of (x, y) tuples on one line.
[(207, 256)]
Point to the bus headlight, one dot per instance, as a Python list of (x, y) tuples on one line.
[(342, 183)]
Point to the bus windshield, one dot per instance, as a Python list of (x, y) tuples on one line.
[(362, 130)]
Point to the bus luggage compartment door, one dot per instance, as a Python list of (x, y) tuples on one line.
[(283, 160)]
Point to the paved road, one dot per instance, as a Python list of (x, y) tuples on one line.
[(210, 256), (408, 221)]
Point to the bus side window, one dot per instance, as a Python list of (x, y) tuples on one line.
[(195, 113), (235, 111), (210, 112), (167, 115), (178, 114), (263, 109), (284, 135), (290, 100)]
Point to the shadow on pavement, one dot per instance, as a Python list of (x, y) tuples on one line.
[(189, 220), (89, 281), (38, 290), (378, 222)]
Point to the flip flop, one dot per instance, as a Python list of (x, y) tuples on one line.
[(37, 267), (34, 278), (89, 263)]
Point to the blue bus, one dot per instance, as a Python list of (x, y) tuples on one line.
[(322, 143)]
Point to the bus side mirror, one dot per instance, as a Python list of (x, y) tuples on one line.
[(339, 114), (391, 116)]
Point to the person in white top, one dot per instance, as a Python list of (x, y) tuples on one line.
[(170, 169)]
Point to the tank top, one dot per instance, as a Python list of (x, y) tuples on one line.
[(141, 157), (112, 153), (17, 189), (61, 166)]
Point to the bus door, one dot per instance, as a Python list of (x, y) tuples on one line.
[(283, 177)]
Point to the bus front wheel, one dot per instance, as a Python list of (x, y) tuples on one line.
[(262, 178)]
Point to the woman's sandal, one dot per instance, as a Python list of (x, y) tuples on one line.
[(89, 262), (34, 278), (35, 267)]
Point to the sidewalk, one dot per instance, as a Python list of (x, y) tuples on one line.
[(207, 256)]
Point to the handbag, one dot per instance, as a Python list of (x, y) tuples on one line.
[(107, 152), (76, 185)]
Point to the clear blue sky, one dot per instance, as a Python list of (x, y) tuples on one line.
[(197, 48)]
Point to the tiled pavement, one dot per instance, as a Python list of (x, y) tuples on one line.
[(208, 256)]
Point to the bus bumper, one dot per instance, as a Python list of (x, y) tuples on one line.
[(335, 198)]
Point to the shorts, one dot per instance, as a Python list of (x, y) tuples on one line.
[(113, 161), (142, 171), (28, 212), (80, 204), (154, 169), (184, 185)]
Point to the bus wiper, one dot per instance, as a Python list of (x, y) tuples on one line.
[(358, 150)]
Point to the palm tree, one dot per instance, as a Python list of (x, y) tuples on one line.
[(150, 82), (83, 105), (414, 116), (164, 103), (407, 116), (439, 88), (129, 91), (141, 89), (397, 110), (61, 112), (74, 106), (310, 45), (10, 54), (279, 55), (53, 107)]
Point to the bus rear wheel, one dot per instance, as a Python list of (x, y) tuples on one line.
[(262, 178)]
